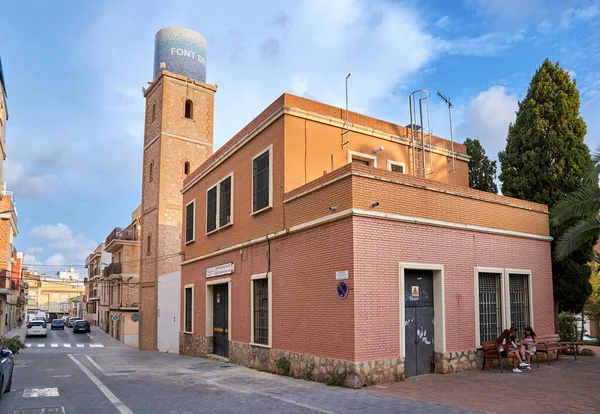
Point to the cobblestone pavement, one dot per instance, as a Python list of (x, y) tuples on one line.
[(566, 386)]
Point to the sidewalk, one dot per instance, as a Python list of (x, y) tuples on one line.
[(22, 331)]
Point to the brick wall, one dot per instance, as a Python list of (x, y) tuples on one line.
[(379, 247)]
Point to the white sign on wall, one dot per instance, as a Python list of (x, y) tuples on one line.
[(224, 269), (343, 275)]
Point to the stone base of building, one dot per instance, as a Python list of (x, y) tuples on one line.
[(451, 362), (309, 367)]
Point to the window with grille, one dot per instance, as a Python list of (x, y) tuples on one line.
[(211, 209), (225, 202), (490, 307), (189, 222), (519, 301), (261, 311), (188, 309), (261, 181)]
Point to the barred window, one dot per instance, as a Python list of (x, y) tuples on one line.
[(261, 181), (261, 311), (519, 301), (189, 222), (490, 307), (211, 209), (188, 309), (225, 202)]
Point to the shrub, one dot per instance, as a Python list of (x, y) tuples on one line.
[(284, 365), (335, 380), (14, 344), (567, 327)]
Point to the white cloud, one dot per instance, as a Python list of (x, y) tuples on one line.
[(544, 27), (573, 15), (485, 45), (443, 22), (27, 183), (487, 118), (68, 248)]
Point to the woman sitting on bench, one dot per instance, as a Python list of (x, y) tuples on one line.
[(508, 348)]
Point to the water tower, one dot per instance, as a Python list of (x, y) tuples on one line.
[(182, 51)]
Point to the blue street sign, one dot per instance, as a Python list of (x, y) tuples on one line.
[(115, 318), (342, 290)]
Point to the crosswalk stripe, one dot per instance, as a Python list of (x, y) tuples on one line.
[(67, 345), (96, 346), (54, 345), (80, 345), (41, 345), (28, 345)]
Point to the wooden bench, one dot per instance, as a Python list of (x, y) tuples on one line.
[(551, 343), (491, 352)]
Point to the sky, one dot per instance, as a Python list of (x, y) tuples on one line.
[(75, 70)]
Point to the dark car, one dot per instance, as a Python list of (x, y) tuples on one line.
[(57, 324), (7, 364), (82, 326), (69, 321)]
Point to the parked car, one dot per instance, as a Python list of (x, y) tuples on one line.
[(57, 324), (36, 327), (81, 326), (7, 364), (74, 321), (70, 320)]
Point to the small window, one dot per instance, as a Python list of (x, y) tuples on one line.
[(396, 166), (519, 301), (190, 221), (363, 159), (188, 309), (148, 245), (260, 305), (186, 168), (150, 171), (490, 306), (153, 112), (261, 181), (225, 202), (211, 209), (189, 109)]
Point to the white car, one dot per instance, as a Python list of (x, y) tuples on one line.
[(37, 327)]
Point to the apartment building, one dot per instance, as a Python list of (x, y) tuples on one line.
[(94, 263), (3, 119), (8, 258), (119, 285), (51, 295), (318, 235)]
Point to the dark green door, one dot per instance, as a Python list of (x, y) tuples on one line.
[(220, 320), (419, 328)]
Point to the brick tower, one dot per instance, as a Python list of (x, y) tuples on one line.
[(178, 136)]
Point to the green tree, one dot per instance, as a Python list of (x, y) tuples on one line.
[(482, 171), (545, 159)]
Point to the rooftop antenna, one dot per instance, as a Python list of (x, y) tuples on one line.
[(420, 132), (345, 130), (449, 103)]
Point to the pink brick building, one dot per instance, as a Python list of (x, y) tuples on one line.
[(338, 259)]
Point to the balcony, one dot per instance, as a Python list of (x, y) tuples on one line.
[(7, 286), (112, 269), (128, 235)]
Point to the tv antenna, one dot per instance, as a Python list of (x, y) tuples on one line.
[(449, 103), (346, 140)]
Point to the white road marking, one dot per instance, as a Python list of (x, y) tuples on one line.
[(96, 346), (40, 392), (41, 345), (67, 345), (62, 376), (123, 409), (54, 345), (80, 345), (28, 345), (98, 367)]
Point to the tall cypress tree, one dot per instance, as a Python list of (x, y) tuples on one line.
[(482, 171), (544, 160)]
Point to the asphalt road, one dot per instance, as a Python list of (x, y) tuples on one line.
[(101, 375)]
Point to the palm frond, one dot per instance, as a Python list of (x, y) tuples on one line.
[(575, 236), (592, 173), (583, 203)]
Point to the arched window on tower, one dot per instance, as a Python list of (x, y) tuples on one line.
[(186, 168), (153, 112), (189, 109), (150, 172), (148, 245)]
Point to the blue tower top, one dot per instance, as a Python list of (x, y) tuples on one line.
[(182, 50)]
